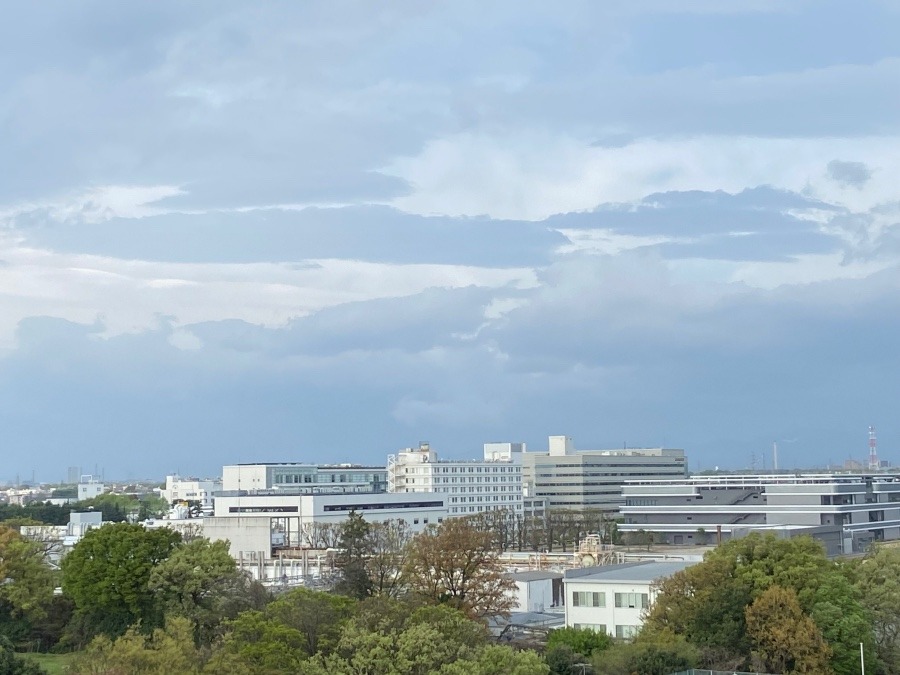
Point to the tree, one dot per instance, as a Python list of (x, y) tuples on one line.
[(561, 659), (432, 639), (26, 581), (706, 603), (648, 655), (13, 664), (107, 576), (318, 617), (455, 564), (254, 644), (388, 543), (351, 560), (785, 639), (167, 650), (200, 581), (583, 641), (878, 580)]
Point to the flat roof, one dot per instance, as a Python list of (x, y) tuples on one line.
[(638, 572), (534, 575), (312, 466)]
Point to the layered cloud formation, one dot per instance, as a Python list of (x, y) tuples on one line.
[(295, 232)]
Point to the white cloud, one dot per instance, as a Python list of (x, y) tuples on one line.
[(130, 295), (532, 175)]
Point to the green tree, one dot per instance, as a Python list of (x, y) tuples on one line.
[(200, 581), (561, 659), (107, 576), (431, 639), (13, 664), (454, 563), (785, 640), (254, 644), (878, 580), (26, 580), (656, 655), (706, 603), (354, 551), (166, 650), (319, 617), (583, 641)]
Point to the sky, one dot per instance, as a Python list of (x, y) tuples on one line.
[(322, 232)]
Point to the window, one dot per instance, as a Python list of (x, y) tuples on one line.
[(598, 627), (588, 599), (626, 632), (633, 600)]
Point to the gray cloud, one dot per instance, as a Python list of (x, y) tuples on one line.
[(855, 174)]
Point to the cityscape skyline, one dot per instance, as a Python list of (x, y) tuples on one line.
[(236, 233)]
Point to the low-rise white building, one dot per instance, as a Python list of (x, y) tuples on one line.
[(615, 598), (89, 487), (300, 477), (537, 590), (472, 486), (262, 523), (59, 539), (191, 489)]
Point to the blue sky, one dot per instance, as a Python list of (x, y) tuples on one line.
[(325, 231)]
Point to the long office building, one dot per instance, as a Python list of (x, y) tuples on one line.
[(859, 508), (304, 478), (592, 479)]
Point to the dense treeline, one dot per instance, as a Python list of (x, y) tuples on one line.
[(145, 601), (115, 509)]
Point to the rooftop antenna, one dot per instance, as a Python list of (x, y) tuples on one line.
[(873, 449), (775, 456)]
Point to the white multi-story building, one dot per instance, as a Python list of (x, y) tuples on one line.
[(614, 598), (471, 486), (592, 479), (191, 489)]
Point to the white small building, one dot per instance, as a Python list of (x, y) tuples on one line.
[(191, 489), (58, 540), (615, 598), (472, 486), (537, 590), (89, 488)]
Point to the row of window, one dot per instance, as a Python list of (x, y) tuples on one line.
[(445, 481), (598, 599), (479, 509), (298, 478), (622, 632), (496, 498), (431, 469)]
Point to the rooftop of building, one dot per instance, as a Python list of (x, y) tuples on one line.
[(534, 575), (636, 572), (741, 480), (309, 465)]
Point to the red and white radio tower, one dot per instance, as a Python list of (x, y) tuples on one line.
[(873, 449)]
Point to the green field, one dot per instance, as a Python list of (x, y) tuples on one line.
[(55, 664)]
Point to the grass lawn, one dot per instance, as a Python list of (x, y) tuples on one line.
[(54, 664)]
